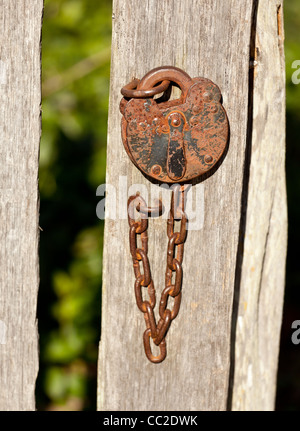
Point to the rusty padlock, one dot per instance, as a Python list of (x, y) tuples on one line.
[(175, 140)]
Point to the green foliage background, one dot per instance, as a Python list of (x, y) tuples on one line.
[(76, 65)]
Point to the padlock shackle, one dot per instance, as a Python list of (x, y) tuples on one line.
[(164, 73), (130, 90)]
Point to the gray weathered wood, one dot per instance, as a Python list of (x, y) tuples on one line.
[(211, 39), (262, 275), (20, 99)]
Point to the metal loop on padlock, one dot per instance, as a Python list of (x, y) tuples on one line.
[(131, 90), (170, 73)]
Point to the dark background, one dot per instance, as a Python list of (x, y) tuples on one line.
[(76, 66), (288, 390)]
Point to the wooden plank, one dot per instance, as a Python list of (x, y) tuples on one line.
[(263, 269), (20, 129), (210, 39)]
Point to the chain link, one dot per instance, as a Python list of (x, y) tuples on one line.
[(174, 265)]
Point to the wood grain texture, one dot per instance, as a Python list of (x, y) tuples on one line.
[(262, 276), (20, 129), (210, 39)]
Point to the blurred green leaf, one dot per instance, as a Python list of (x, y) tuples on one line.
[(75, 82)]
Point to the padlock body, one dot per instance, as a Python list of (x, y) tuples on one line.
[(179, 140)]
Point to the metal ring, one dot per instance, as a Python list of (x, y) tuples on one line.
[(168, 291), (155, 211), (163, 328), (147, 347), (146, 268), (150, 319), (170, 73), (130, 90), (132, 203)]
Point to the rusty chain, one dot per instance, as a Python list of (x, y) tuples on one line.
[(165, 140), (174, 265)]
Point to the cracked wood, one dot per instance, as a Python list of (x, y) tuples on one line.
[(20, 129)]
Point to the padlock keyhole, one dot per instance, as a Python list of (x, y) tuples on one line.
[(176, 162)]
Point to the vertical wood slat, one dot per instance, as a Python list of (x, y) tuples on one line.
[(210, 39), (20, 129), (260, 294)]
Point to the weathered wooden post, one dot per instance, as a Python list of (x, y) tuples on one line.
[(223, 346), (20, 128)]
